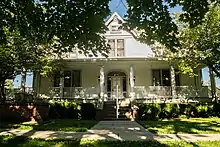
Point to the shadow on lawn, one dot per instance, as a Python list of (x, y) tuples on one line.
[(54, 125), (26, 142), (181, 126)]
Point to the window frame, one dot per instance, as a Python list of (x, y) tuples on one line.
[(116, 49), (57, 77), (161, 82)]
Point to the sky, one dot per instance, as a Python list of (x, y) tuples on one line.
[(119, 6)]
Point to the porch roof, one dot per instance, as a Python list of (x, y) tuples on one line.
[(91, 59)]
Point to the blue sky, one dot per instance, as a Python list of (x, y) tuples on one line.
[(115, 6)]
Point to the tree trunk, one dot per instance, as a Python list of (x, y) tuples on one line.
[(2, 92)]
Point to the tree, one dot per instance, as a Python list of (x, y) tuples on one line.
[(200, 46), (198, 38), (33, 32)]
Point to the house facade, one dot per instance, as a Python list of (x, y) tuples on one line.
[(132, 71)]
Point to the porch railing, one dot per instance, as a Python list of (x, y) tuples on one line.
[(75, 92), (140, 92), (166, 91)]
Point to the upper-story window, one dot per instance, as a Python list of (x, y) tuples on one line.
[(120, 47), (117, 47)]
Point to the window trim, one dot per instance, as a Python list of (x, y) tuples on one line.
[(116, 46), (71, 78), (161, 76)]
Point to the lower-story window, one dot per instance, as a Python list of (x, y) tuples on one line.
[(161, 77), (71, 78)]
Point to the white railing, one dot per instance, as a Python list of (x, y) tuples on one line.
[(11, 92), (140, 92), (152, 91), (75, 92), (166, 92), (190, 92)]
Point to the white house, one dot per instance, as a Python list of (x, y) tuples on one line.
[(132, 71)]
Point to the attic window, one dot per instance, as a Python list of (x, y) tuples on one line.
[(115, 29)]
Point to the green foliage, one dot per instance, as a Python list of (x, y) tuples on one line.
[(216, 109), (150, 111), (88, 111), (157, 23), (192, 35), (34, 32), (169, 111), (162, 111), (203, 110), (74, 110)]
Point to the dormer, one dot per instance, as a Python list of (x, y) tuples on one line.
[(114, 23)]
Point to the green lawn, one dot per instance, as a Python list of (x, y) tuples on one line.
[(182, 126), (55, 125), (6, 141)]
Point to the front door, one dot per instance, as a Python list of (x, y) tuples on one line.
[(116, 83)]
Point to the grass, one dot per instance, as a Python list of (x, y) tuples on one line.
[(56, 125), (6, 141), (182, 126)]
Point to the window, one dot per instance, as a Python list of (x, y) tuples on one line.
[(71, 79), (156, 77), (56, 79), (111, 43), (114, 28), (76, 78), (119, 50), (177, 77), (67, 78), (120, 47), (161, 77)]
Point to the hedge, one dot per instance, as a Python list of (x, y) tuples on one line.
[(162, 111), (73, 110)]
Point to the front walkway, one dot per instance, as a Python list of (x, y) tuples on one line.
[(113, 130)]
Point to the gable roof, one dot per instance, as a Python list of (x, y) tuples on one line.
[(115, 14)]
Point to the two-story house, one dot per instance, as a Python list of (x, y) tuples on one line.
[(132, 71)]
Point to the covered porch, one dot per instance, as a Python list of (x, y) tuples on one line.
[(122, 79)]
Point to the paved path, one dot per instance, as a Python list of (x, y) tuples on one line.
[(112, 130)]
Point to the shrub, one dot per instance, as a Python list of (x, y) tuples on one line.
[(88, 111), (64, 110), (149, 112), (216, 109), (191, 110), (202, 110), (169, 110)]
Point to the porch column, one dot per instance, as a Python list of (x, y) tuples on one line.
[(173, 81), (131, 74), (212, 82), (61, 83), (102, 81)]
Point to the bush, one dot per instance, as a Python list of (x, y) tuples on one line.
[(65, 110), (162, 111), (216, 109), (203, 110), (170, 111), (150, 112), (191, 110), (88, 111)]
